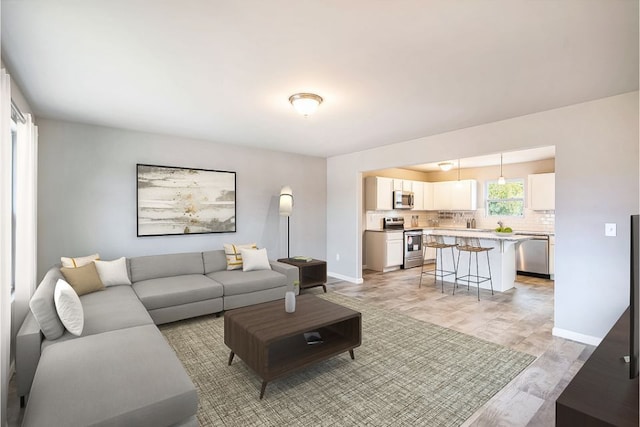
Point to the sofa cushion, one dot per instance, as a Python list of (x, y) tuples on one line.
[(69, 307), (255, 259), (117, 307), (128, 377), (171, 291), (43, 307), (214, 261), (152, 267), (78, 261), (113, 273), (83, 280), (240, 282), (233, 255)]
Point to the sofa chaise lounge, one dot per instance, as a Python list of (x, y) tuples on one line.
[(120, 370)]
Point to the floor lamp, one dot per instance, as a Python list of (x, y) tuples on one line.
[(286, 207)]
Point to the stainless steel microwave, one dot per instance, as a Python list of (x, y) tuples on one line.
[(402, 199)]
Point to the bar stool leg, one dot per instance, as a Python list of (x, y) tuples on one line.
[(469, 272), (490, 276), (455, 283), (442, 272), (477, 276), (422, 267), (455, 268)]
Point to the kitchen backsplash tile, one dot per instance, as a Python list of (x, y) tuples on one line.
[(531, 221)]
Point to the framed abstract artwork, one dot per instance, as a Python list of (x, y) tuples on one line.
[(173, 200)]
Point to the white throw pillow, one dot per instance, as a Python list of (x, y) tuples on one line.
[(69, 307), (114, 272), (255, 259), (234, 257), (78, 261)]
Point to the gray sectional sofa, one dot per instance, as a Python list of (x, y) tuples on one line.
[(120, 370)]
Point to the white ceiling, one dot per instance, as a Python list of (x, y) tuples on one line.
[(389, 71)]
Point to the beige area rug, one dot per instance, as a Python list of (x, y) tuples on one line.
[(406, 372)]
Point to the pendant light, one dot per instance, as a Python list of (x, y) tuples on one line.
[(501, 180)]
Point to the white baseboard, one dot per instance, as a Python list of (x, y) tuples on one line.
[(357, 281), (575, 336)]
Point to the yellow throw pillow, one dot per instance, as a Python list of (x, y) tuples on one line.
[(83, 280), (78, 261), (234, 258)]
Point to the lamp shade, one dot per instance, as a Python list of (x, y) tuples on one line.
[(286, 201)]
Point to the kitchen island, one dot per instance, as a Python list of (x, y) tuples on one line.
[(502, 257)]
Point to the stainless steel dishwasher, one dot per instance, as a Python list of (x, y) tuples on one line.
[(532, 256)]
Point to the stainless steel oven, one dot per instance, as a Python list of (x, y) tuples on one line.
[(412, 249)]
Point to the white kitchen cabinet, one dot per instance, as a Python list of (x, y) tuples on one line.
[(442, 195), (402, 185), (428, 196), (384, 250), (455, 195), (418, 195), (464, 195), (378, 193), (542, 192)]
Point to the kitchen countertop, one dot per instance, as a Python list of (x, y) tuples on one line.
[(483, 233), (486, 235)]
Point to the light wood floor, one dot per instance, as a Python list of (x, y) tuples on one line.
[(521, 319)]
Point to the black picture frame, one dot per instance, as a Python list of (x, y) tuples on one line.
[(174, 200)]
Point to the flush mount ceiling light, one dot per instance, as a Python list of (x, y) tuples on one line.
[(446, 166), (501, 180), (305, 103)]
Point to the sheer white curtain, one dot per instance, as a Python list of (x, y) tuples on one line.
[(5, 239), (26, 217)]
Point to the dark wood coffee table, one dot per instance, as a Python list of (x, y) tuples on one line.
[(271, 341)]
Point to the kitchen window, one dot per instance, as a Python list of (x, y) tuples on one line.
[(505, 199)]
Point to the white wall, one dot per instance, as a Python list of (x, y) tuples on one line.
[(87, 193), (596, 182)]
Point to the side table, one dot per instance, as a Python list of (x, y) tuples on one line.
[(310, 273)]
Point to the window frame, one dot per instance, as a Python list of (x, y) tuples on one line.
[(487, 200), (14, 189)]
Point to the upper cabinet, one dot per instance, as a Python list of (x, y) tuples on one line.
[(455, 195), (428, 196), (378, 193), (402, 185), (418, 195), (542, 191)]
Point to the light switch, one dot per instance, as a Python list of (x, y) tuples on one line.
[(610, 229)]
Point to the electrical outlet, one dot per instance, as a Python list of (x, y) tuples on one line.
[(610, 230), (337, 257)]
